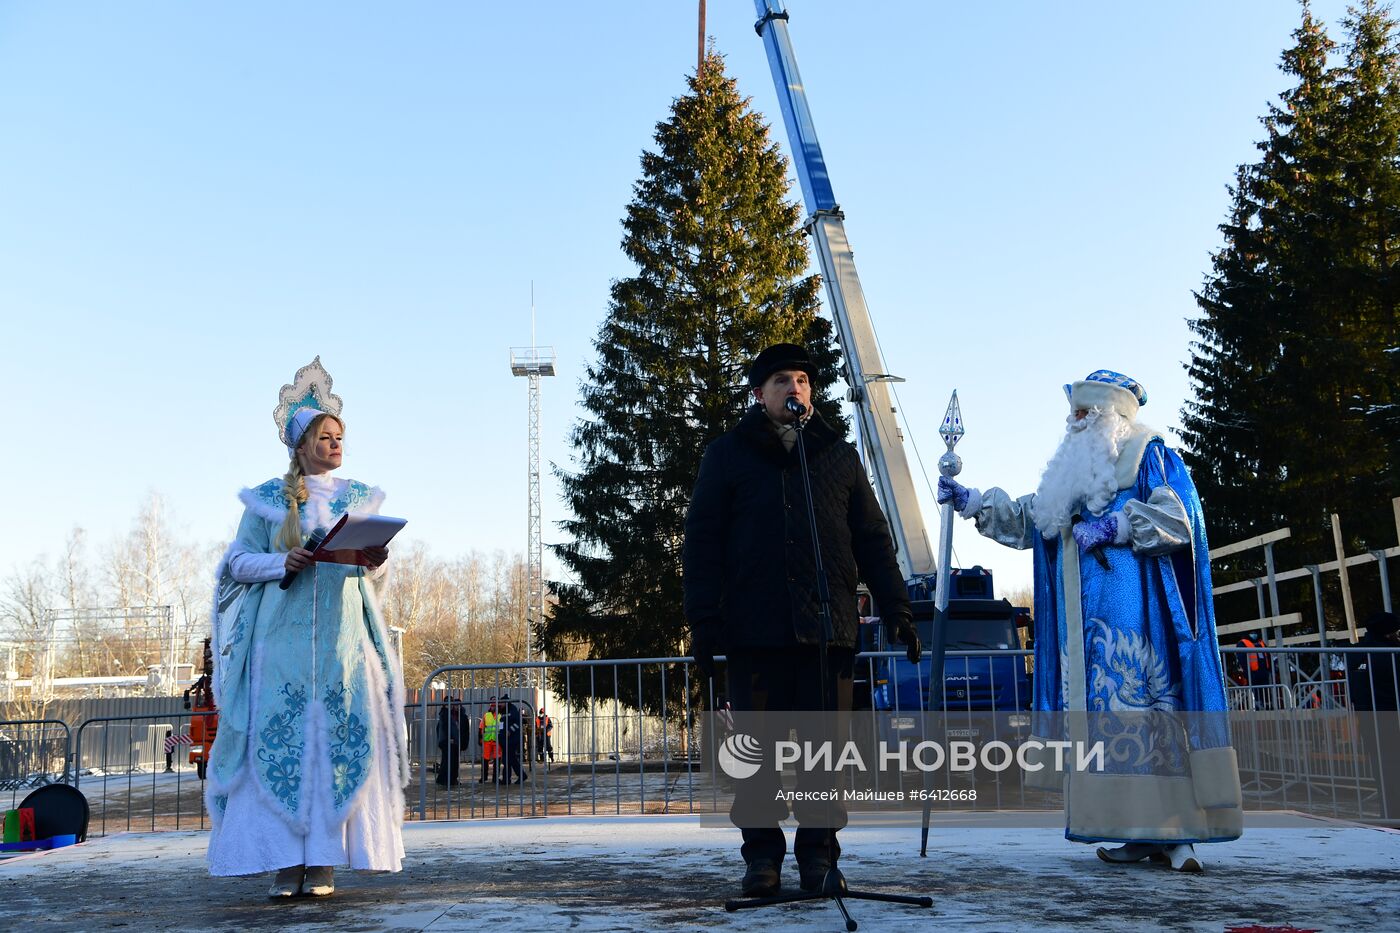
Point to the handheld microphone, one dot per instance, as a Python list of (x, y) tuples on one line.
[(313, 541), (796, 407)]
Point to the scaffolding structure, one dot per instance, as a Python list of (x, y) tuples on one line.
[(128, 650), (533, 362)]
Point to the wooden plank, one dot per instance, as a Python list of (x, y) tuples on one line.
[(1301, 572), (1249, 543), (1234, 587), (1338, 639), (1254, 625), (1342, 570)]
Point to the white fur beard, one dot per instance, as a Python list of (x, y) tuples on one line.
[(1082, 471)]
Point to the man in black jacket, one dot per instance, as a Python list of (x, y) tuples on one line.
[(751, 593), (1371, 678)]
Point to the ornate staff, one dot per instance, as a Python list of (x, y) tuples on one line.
[(950, 465)]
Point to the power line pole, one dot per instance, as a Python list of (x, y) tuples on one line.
[(532, 362)]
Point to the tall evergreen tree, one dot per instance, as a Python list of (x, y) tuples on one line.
[(1371, 249), (1283, 429), (721, 273), (1239, 431)]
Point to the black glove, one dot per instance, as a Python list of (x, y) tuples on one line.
[(901, 628), (703, 648)]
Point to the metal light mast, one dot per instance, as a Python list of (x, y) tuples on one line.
[(533, 362)]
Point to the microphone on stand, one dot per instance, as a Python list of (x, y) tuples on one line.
[(313, 541), (796, 407)]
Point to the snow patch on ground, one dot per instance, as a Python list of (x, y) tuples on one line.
[(670, 872)]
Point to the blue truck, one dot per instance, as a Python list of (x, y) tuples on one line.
[(976, 621)]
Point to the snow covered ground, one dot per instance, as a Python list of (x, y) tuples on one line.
[(670, 872)]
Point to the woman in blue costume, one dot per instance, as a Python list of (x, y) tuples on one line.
[(1125, 631), (310, 762)]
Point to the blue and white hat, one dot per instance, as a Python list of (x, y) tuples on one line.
[(301, 401), (1104, 388)]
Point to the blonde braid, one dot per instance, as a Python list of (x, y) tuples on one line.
[(294, 490)]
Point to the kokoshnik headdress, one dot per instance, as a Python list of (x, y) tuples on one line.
[(301, 401)]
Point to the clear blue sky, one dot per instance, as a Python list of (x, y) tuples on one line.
[(195, 199)]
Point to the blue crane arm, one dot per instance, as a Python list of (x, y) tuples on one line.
[(797, 116), (864, 367)]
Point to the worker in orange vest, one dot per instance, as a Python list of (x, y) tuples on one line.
[(1258, 667), (544, 732), (490, 746)]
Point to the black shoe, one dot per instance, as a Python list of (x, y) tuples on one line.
[(812, 874), (761, 879)]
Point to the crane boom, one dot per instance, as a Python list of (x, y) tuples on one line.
[(864, 368)]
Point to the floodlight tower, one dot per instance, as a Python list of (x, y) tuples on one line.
[(533, 362)]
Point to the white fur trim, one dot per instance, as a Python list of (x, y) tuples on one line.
[(249, 497), (395, 687), (1124, 528), (1145, 808), (974, 502), (1084, 395), (1215, 778), (1130, 454)]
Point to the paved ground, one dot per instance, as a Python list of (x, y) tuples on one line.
[(669, 872)]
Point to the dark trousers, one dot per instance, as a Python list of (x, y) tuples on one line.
[(789, 680), (514, 755), (449, 764)]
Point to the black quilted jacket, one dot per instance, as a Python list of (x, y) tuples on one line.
[(749, 574)]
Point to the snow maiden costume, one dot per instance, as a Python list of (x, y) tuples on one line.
[(310, 761), (1125, 632)]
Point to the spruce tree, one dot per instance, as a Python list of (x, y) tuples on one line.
[(722, 263), (1288, 369), (1242, 429)]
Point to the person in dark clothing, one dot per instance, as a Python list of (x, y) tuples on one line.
[(1258, 670), (514, 744), (751, 594), (544, 736), (449, 739), (1371, 678)]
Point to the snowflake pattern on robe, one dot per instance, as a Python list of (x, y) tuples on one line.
[(283, 740), (349, 746)]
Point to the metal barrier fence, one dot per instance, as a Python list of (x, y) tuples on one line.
[(33, 752), (1301, 744), (1313, 735), (133, 778), (610, 757)]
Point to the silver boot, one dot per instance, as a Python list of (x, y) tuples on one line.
[(320, 881), (1129, 853), (288, 883)]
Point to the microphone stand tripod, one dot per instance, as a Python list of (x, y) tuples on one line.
[(834, 884)]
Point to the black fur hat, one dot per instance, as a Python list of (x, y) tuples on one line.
[(778, 357)]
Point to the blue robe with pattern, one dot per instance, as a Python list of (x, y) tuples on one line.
[(1128, 655), (309, 688)]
